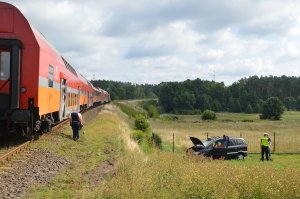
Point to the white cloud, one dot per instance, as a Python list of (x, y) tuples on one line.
[(171, 40)]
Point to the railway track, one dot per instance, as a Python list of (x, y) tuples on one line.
[(12, 154), (23, 150)]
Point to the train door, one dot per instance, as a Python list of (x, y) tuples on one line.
[(63, 99), (78, 99), (9, 73), (9, 78), (4, 78), (88, 99)]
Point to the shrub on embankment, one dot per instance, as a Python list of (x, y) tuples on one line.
[(143, 135), (151, 107), (142, 132), (166, 175)]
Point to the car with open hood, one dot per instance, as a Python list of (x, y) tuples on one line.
[(219, 147)]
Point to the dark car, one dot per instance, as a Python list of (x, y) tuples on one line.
[(217, 147)]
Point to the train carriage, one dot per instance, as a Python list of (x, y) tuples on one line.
[(37, 85)]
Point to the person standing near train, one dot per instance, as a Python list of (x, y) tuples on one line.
[(76, 123)]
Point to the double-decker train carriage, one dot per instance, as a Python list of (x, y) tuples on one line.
[(37, 85)]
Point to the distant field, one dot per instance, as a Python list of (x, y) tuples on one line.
[(249, 126)]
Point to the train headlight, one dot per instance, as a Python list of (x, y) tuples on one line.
[(23, 89)]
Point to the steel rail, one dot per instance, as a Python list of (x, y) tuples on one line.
[(8, 155)]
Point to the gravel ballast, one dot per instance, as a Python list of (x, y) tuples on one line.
[(39, 168)]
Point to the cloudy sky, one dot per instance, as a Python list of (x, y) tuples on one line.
[(150, 41)]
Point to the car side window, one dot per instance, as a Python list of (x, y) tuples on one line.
[(240, 142), (220, 144), (231, 142)]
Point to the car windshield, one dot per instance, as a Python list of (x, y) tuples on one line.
[(207, 143)]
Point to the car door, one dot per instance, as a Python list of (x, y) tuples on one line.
[(232, 148), (219, 148)]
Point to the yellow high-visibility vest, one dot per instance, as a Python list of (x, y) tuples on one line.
[(264, 141)]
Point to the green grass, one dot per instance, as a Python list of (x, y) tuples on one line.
[(100, 142), (129, 110), (171, 175), (163, 174), (278, 161)]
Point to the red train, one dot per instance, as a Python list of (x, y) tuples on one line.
[(37, 85)]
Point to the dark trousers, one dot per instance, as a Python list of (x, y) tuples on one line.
[(75, 128), (264, 152), (269, 153)]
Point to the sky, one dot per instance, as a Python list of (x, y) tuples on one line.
[(153, 41)]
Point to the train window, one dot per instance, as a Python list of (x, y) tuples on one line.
[(72, 96), (4, 65), (50, 76), (68, 99)]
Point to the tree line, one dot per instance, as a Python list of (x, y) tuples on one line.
[(126, 90), (246, 95)]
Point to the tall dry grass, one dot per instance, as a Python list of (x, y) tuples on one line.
[(165, 175)]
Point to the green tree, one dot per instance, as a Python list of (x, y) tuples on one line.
[(236, 106), (298, 103), (290, 103), (249, 109), (272, 109), (217, 105), (187, 101)]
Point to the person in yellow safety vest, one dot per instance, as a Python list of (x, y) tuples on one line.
[(264, 143)]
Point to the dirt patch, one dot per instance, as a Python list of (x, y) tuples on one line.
[(40, 168), (101, 172)]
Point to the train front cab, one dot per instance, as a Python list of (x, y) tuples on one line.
[(10, 83)]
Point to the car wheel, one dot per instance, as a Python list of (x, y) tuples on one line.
[(240, 156)]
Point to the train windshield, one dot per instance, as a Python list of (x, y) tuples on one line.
[(4, 71)]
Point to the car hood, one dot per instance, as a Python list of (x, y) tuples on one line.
[(196, 141)]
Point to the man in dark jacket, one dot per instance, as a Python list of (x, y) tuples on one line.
[(76, 123)]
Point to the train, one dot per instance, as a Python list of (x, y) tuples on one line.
[(38, 86)]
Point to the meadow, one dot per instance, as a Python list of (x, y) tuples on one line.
[(248, 126), (171, 175), (162, 174)]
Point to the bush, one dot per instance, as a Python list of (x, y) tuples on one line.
[(151, 106), (153, 112), (209, 115), (138, 135), (147, 145), (141, 123), (156, 140), (272, 109)]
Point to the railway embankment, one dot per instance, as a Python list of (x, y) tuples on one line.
[(59, 167)]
